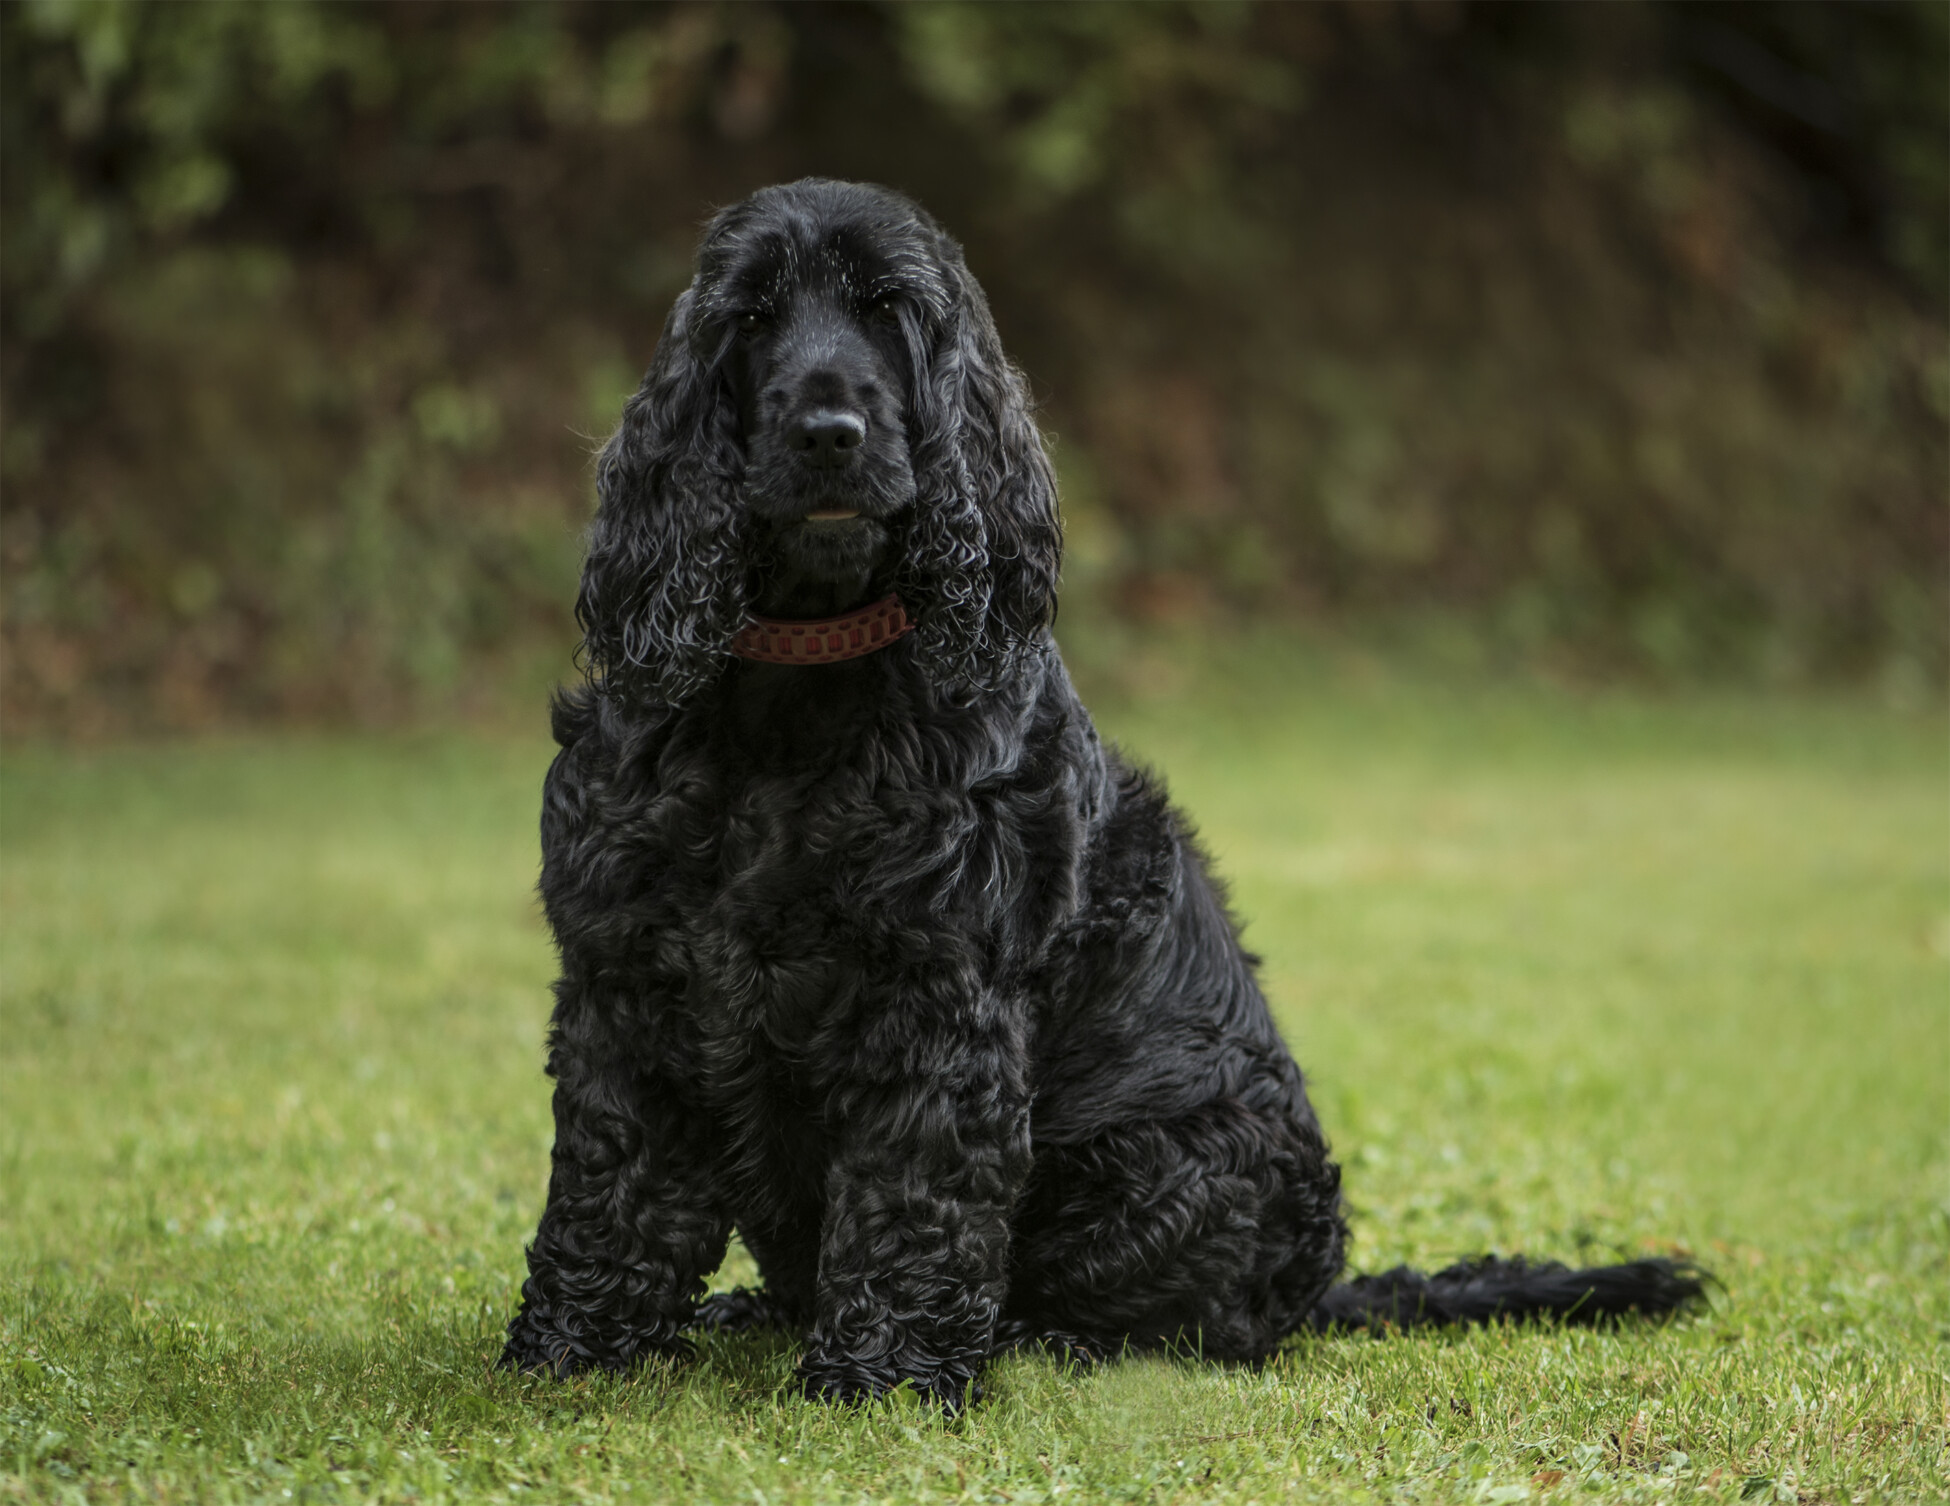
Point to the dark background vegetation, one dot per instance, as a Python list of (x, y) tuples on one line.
[(1607, 340)]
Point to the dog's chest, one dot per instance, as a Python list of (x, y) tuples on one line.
[(811, 906), (786, 971), (789, 947)]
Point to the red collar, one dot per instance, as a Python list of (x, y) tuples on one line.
[(774, 640)]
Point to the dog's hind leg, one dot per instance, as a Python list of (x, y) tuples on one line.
[(1212, 1233), (739, 1310), (788, 1260)]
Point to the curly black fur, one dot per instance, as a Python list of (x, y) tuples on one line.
[(890, 964)]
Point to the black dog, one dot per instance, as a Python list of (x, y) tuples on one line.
[(870, 948)]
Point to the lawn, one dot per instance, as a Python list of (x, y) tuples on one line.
[(1576, 975)]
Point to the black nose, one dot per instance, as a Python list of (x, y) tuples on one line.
[(826, 437)]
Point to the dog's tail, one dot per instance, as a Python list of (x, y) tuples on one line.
[(1481, 1290)]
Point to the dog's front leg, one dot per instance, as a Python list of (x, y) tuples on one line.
[(630, 1229), (913, 1257)]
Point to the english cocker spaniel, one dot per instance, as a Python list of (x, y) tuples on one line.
[(870, 949)]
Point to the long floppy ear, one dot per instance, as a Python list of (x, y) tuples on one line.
[(663, 587), (987, 542)]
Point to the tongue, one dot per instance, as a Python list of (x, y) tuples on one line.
[(832, 514)]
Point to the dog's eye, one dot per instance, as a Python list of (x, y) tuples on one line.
[(885, 310), (751, 322)]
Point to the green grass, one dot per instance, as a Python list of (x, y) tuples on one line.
[(1575, 976)]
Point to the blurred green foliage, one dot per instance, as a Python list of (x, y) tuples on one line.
[(1609, 339)]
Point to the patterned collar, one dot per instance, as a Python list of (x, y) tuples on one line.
[(827, 640)]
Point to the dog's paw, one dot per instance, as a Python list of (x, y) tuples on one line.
[(537, 1346), (735, 1312), (1017, 1337), (844, 1385)]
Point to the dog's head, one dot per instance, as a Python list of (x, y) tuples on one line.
[(829, 415)]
